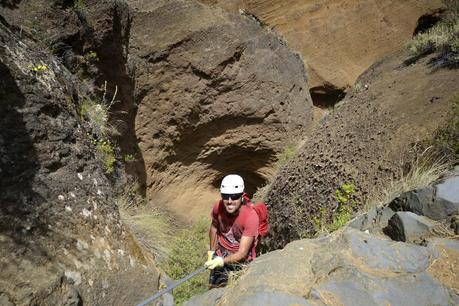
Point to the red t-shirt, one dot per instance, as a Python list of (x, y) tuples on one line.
[(230, 228)]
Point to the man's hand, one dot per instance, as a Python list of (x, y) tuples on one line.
[(217, 262), (210, 255)]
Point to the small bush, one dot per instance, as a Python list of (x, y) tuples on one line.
[(97, 113), (359, 87), (188, 253), (91, 56), (97, 116), (151, 229), (107, 150), (345, 196)]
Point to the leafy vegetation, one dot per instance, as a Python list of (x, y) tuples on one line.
[(128, 158), (39, 68), (78, 4), (442, 37), (346, 204), (188, 253), (96, 114), (107, 150), (345, 195), (91, 56)]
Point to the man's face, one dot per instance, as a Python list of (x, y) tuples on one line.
[(232, 202)]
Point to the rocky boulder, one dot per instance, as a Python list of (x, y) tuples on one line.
[(437, 202), (406, 226), (216, 94), (354, 267), (346, 268)]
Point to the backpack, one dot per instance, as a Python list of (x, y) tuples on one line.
[(263, 215)]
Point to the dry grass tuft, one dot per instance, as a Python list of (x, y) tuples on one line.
[(424, 170), (152, 230), (234, 276)]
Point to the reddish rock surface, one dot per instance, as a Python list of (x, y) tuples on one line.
[(338, 40)]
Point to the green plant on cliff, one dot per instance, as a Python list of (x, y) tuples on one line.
[(345, 196), (188, 252), (91, 56), (442, 37), (107, 150)]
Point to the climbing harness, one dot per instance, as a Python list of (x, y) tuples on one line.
[(170, 287)]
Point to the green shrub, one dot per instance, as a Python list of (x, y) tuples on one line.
[(78, 4), (97, 115), (107, 150), (188, 253), (345, 196), (96, 111)]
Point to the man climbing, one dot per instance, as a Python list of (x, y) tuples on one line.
[(233, 232)]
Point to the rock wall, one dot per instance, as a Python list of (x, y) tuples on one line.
[(338, 40), (61, 238), (216, 94), (364, 142)]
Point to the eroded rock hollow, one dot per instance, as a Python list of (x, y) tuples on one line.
[(216, 94)]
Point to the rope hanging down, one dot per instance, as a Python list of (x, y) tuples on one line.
[(170, 287)]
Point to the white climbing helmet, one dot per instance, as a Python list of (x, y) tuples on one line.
[(231, 184)]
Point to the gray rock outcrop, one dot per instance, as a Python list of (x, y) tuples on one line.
[(346, 268), (357, 265), (409, 227), (436, 202)]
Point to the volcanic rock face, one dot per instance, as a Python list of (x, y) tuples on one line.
[(338, 40), (362, 143), (216, 94), (61, 239)]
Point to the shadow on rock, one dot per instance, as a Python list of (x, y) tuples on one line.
[(19, 203), (12, 4)]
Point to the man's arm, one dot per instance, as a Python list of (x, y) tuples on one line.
[(212, 237), (244, 248)]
